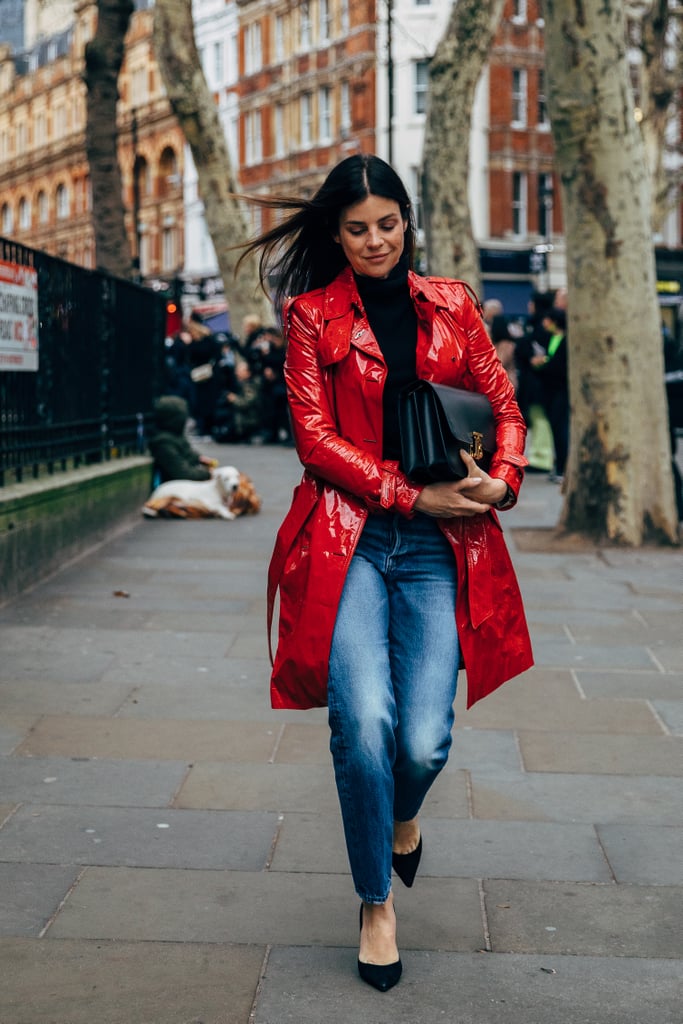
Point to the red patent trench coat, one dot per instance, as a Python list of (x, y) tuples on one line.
[(335, 375)]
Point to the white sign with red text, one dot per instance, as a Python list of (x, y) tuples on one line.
[(18, 317)]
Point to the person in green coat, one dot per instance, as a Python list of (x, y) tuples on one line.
[(174, 457)]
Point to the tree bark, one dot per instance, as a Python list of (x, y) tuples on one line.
[(619, 479), (103, 59), (194, 107), (453, 75)]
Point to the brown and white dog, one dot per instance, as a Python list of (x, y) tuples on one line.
[(226, 495)]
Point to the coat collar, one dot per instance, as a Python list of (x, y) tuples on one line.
[(341, 295)]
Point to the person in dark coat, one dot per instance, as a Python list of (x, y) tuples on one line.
[(552, 370), (174, 457), (204, 353)]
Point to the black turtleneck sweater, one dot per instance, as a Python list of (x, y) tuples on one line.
[(393, 321)]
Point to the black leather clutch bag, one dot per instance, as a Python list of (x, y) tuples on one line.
[(436, 422)]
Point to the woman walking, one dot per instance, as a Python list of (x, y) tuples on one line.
[(384, 583)]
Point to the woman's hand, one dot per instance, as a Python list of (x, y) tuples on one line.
[(471, 496)]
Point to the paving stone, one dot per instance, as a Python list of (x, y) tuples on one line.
[(13, 728), (87, 781), (231, 689), (264, 907), (303, 986), (127, 983), (671, 713), (585, 920), (5, 811), (541, 796), (512, 849), (252, 644), (598, 755), (550, 701), (31, 894), (33, 697), (66, 736), (645, 855), (264, 787), (80, 664), (632, 685), (592, 655), (669, 657), (139, 837)]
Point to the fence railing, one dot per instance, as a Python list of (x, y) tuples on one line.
[(100, 366)]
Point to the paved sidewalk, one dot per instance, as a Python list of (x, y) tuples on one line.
[(171, 851)]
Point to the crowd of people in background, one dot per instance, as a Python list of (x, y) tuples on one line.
[(533, 352), (234, 386)]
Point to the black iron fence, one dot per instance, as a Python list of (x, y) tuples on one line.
[(100, 366)]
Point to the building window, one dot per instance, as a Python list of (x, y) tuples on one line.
[(306, 109), (138, 86), (305, 25), (7, 220), (325, 114), (253, 137), (218, 63), (545, 205), (519, 203), (39, 132), (345, 112), (421, 84), (325, 21), (21, 137), (253, 53), (422, 3), (279, 38), (542, 118), (519, 97), (519, 11), (43, 208), (168, 249), (279, 130), (344, 17), (415, 190), (24, 215), (169, 179), (62, 202)]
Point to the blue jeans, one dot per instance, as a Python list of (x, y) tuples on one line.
[(392, 676)]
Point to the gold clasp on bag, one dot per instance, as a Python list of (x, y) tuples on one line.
[(476, 446)]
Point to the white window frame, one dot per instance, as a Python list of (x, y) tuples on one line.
[(279, 38), (253, 48), (420, 86), (306, 119), (253, 138), (24, 214), (345, 117), (324, 114), (43, 205), (324, 21), (169, 249), (344, 17), (305, 25), (7, 221), (62, 201), (279, 130), (520, 192), (519, 12), (519, 97)]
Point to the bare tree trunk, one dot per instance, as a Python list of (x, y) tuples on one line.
[(453, 75), (103, 59), (619, 479), (194, 106)]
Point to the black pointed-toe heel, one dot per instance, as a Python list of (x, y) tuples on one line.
[(380, 976), (406, 864)]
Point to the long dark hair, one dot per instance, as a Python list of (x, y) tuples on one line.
[(300, 253)]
